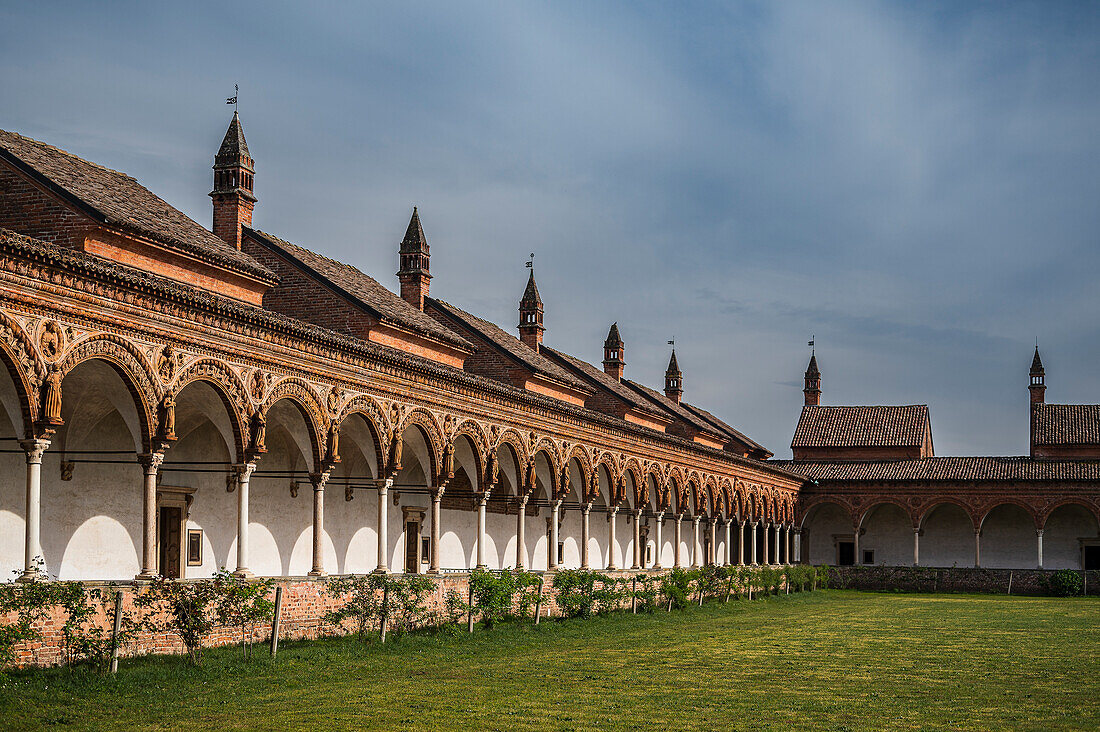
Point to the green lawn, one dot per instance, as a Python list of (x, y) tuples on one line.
[(826, 660)]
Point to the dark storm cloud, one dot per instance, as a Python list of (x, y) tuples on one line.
[(915, 184)]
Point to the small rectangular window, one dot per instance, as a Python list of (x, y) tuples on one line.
[(868, 556), (425, 550), (194, 547), (561, 552)]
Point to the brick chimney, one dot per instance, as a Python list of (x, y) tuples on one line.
[(613, 349), (232, 194), (812, 389), (415, 257)]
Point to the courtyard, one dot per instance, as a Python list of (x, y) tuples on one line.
[(826, 660)]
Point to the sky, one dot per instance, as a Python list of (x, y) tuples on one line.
[(914, 185)]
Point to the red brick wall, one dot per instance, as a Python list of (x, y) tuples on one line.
[(28, 210), (302, 296), (305, 601)]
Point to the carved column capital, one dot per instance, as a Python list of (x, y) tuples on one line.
[(34, 450)]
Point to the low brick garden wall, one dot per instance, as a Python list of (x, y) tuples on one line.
[(952, 579), (304, 604)]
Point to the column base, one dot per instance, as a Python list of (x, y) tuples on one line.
[(244, 573), (317, 573), (482, 567), (145, 576), (381, 570), (34, 575)]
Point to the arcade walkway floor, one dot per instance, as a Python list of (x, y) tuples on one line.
[(828, 660)]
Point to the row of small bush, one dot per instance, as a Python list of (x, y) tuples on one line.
[(193, 610)]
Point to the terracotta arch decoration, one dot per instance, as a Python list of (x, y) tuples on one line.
[(300, 393), (229, 387), (131, 367), (375, 419), (27, 370), (429, 426), (480, 441)]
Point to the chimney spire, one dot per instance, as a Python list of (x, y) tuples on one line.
[(613, 351), (414, 256), (674, 380), (530, 313), (1037, 387), (232, 194), (812, 388)]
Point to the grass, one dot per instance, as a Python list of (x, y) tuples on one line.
[(827, 660)]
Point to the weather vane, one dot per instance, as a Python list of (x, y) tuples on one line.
[(233, 99), (531, 263), (672, 343), (811, 344)]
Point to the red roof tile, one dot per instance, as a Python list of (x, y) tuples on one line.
[(1067, 424), (1014, 468), (875, 426)]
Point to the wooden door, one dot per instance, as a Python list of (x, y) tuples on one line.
[(412, 547), (171, 539)]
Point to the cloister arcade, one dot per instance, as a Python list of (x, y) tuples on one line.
[(156, 464), (938, 531)]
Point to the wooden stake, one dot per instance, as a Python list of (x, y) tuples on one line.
[(470, 610), (1010, 583), (385, 613), (634, 594), (538, 602), (276, 622), (115, 631)]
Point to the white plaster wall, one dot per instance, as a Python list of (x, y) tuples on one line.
[(1008, 539), (948, 539), (1064, 529), (888, 531), (818, 545)]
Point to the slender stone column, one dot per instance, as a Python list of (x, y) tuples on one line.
[(437, 498), (978, 548), (638, 555), (752, 542), (521, 534), (776, 559), (798, 545), (790, 544), (318, 480), (765, 544), (916, 546), (150, 464), (741, 543), (728, 559), (554, 514), (857, 560), (1039, 545), (679, 536), (585, 510), (713, 558), (244, 473), (611, 561), (657, 526), (482, 500), (32, 538), (383, 526), (695, 541)]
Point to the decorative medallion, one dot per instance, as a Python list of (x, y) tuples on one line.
[(52, 340)]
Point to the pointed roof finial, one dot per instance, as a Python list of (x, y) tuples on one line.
[(673, 366), (531, 297), (1037, 362), (613, 338), (414, 242)]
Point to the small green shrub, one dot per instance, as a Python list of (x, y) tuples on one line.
[(503, 595), (1065, 583), (676, 587)]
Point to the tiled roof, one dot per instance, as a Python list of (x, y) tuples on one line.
[(603, 381), (233, 145), (364, 289), (96, 268), (676, 410), (725, 428), (1067, 424), (511, 346), (117, 199), (531, 296), (862, 426), (947, 469)]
